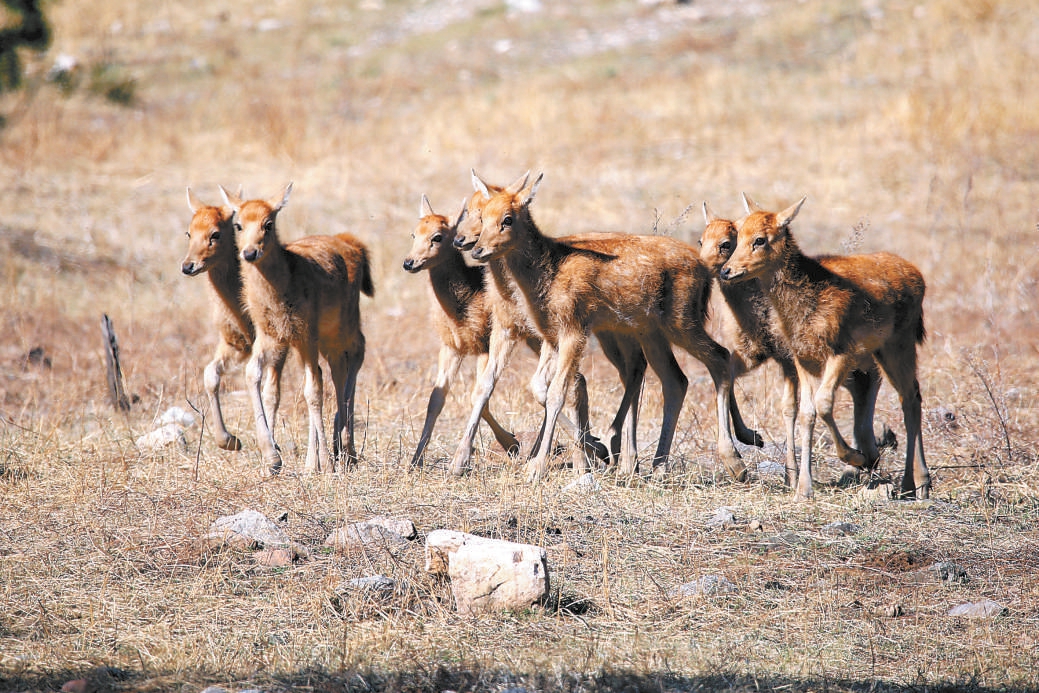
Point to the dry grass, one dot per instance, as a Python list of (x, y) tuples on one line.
[(910, 126)]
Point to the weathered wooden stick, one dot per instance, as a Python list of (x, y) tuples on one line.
[(116, 391)]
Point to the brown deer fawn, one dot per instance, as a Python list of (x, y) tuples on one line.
[(510, 322), (212, 249), (460, 313), (649, 288), (303, 295), (832, 316), (756, 335)]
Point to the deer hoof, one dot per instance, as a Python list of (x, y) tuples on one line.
[(230, 443)]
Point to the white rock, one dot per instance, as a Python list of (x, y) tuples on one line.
[(723, 517), (361, 534), (586, 483), (708, 586), (986, 608), (377, 583), (405, 528), (170, 434), (488, 575), (247, 529)]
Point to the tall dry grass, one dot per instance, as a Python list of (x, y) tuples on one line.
[(909, 125)]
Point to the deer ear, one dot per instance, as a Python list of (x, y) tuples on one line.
[(284, 199), (425, 209), (193, 202), (230, 199), (749, 204), (784, 218), (518, 184), (533, 190), (479, 186), (463, 211), (708, 215)]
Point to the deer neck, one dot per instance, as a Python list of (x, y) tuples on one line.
[(792, 291), (455, 284)]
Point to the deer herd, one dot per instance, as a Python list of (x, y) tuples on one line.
[(495, 280)]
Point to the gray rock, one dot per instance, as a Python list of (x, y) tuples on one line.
[(708, 586), (724, 517), (248, 530), (986, 608), (841, 529), (586, 483), (405, 528), (168, 435), (371, 583), (364, 534)]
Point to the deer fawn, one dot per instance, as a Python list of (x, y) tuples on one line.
[(460, 313), (509, 322), (756, 334), (212, 249), (651, 289), (834, 314), (303, 295)]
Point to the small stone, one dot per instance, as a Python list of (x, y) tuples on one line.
[(214, 689), (586, 483), (371, 583), (364, 534), (248, 529), (986, 608), (170, 434), (176, 415), (75, 686), (891, 610), (755, 526), (724, 517), (876, 491), (708, 586), (405, 528), (275, 558), (841, 529)]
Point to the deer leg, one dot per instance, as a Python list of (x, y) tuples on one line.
[(448, 362), (744, 433), (568, 355), (835, 370), (790, 382), (503, 436), (901, 371), (674, 384), (254, 369), (806, 415), (502, 344), (317, 445), (717, 359), (272, 387), (864, 387), (627, 357), (225, 354)]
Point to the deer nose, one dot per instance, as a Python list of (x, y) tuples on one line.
[(188, 268), (459, 241), (408, 264), (725, 272), (250, 254)]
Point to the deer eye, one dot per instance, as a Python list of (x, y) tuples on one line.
[(725, 246), (506, 221), (215, 237), (759, 242), (268, 225), (436, 239), (237, 226)]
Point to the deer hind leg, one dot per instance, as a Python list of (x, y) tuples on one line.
[(502, 344), (627, 357), (271, 390), (900, 367), (744, 433), (539, 385), (344, 379), (505, 438), (264, 352), (835, 370), (567, 357), (717, 359), (225, 355), (864, 385), (313, 392), (673, 384)]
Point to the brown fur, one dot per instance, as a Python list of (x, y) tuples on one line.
[(756, 336), (212, 249), (649, 288), (832, 314), (459, 311), (303, 295), (510, 322)]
